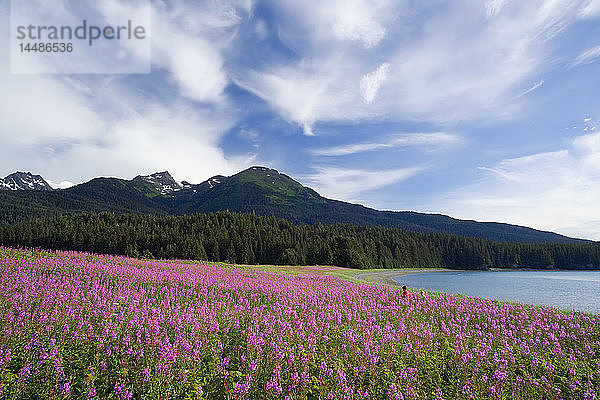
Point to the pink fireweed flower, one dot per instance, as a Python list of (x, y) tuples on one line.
[(91, 393)]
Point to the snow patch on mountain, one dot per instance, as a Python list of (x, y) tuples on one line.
[(162, 181), (24, 181), (212, 182)]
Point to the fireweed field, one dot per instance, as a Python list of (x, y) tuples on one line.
[(76, 325)]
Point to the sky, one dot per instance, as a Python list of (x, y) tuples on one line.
[(485, 110)]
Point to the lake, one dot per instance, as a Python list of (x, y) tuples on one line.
[(567, 290)]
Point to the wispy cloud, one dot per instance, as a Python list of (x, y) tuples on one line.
[(556, 190), (347, 184), (306, 93), (531, 89), (371, 82), (590, 9), (436, 139), (587, 57)]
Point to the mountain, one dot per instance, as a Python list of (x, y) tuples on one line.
[(259, 190), (24, 181), (161, 181)]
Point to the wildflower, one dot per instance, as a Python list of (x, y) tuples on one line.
[(66, 389), (253, 366), (91, 393), (24, 373)]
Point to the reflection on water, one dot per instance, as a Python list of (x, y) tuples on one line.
[(567, 290), (559, 276)]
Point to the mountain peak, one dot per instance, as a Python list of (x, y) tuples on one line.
[(24, 181), (216, 180), (258, 168), (263, 173), (162, 181)]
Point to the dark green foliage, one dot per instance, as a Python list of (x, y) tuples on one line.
[(250, 239)]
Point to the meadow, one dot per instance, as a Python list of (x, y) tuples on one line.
[(83, 326)]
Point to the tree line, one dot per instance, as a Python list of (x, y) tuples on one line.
[(249, 239)]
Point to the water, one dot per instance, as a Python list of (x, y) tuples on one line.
[(567, 290)]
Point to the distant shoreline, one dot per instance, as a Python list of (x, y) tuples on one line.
[(386, 277)]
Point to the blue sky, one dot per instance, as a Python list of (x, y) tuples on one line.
[(482, 110)]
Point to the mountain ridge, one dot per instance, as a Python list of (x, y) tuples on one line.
[(24, 181), (259, 190)]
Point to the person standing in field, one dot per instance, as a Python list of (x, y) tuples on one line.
[(404, 292)]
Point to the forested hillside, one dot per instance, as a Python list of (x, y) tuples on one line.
[(251, 239), (258, 190)]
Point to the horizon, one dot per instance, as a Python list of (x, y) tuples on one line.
[(478, 110)]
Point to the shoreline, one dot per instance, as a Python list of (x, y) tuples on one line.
[(386, 277)]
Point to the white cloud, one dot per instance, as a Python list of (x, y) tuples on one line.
[(587, 57), (186, 43), (60, 185), (174, 137), (555, 191), (180, 141), (296, 99), (346, 184), (437, 139), (306, 93), (44, 107), (371, 82), (307, 128), (195, 66), (359, 21), (353, 22)]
